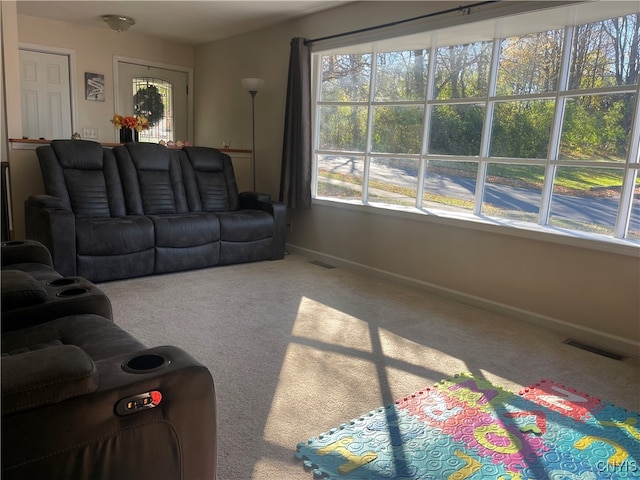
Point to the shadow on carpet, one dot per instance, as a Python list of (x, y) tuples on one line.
[(467, 428)]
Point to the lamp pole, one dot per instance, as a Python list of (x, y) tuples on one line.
[(252, 85), (253, 136)]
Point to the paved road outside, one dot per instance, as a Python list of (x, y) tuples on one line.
[(598, 211)]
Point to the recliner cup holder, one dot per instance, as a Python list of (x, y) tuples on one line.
[(145, 363), (62, 282), (71, 292)]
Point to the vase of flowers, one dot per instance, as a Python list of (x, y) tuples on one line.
[(130, 126)]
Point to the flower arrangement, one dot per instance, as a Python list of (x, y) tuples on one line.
[(138, 122)]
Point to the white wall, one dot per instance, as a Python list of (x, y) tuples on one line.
[(588, 293), (94, 49)]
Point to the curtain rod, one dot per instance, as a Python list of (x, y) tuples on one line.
[(462, 8)]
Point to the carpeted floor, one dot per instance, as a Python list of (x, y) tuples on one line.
[(296, 348)]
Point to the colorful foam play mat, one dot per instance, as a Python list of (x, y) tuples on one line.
[(467, 428)]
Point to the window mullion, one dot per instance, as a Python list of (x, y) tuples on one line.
[(367, 148), (556, 129), (422, 167), (486, 129), (629, 182)]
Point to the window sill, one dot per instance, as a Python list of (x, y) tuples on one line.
[(494, 225)]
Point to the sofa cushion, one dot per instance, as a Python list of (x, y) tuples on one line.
[(102, 268), (20, 289), (245, 226), (84, 176), (87, 192), (83, 155), (152, 179), (186, 229), (209, 180), (114, 236)]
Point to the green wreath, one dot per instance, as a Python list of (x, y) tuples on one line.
[(148, 102)]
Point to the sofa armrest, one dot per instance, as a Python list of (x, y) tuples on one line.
[(278, 210), (45, 376), (25, 251), (178, 433), (50, 223), (252, 199), (20, 290)]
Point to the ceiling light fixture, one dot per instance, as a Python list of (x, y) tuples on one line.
[(120, 23)]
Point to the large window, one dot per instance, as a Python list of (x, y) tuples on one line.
[(539, 126)]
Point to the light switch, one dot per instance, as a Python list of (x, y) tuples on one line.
[(89, 133)]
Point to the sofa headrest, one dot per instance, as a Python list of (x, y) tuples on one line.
[(79, 154), (205, 159), (149, 156)]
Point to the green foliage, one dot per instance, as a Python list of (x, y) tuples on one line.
[(398, 129), (456, 129), (521, 129), (148, 102), (597, 127)]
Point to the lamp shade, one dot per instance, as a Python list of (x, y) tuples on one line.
[(252, 84)]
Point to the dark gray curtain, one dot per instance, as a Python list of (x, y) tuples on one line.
[(295, 176)]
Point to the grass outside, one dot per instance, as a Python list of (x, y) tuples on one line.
[(594, 182)]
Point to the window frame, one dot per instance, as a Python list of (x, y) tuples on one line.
[(630, 168)]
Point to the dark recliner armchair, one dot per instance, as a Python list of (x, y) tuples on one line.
[(81, 398), (82, 218)]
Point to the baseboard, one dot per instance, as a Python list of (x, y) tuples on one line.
[(597, 338)]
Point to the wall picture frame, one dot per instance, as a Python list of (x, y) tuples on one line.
[(94, 86)]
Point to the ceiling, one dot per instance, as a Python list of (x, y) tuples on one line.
[(189, 22)]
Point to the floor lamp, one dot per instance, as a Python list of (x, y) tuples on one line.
[(253, 85)]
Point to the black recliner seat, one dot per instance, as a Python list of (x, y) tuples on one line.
[(82, 218), (81, 398), (30, 257), (152, 184), (252, 227), (34, 293)]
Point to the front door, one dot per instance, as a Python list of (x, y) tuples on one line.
[(175, 125)]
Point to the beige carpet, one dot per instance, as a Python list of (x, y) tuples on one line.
[(296, 349)]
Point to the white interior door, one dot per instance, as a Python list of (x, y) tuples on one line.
[(127, 71), (45, 95)]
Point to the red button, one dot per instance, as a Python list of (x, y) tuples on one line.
[(156, 397)]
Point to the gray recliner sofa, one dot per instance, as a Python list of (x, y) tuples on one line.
[(143, 209)]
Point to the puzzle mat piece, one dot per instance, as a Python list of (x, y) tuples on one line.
[(476, 413), (604, 441), (353, 451), (566, 400)]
